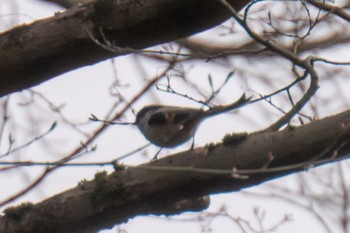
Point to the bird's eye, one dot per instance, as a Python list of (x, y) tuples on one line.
[(157, 119), (181, 117)]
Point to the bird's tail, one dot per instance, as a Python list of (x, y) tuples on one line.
[(243, 100)]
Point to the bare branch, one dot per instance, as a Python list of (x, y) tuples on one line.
[(112, 199)]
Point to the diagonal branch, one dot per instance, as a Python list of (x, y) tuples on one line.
[(113, 199), (34, 53)]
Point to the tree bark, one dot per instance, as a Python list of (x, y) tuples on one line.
[(34, 53), (67, 3), (153, 188)]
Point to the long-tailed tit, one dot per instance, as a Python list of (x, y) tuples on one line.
[(170, 126)]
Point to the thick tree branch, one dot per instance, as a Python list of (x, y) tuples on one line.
[(31, 54), (151, 189), (339, 11), (67, 3)]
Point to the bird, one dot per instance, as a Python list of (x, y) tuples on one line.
[(171, 126)]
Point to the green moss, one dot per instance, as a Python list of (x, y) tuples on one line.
[(117, 166), (291, 127), (212, 146), (100, 181), (82, 184), (17, 212), (234, 138), (101, 189)]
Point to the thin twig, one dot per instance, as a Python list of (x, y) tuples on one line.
[(306, 64), (83, 145), (37, 138)]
